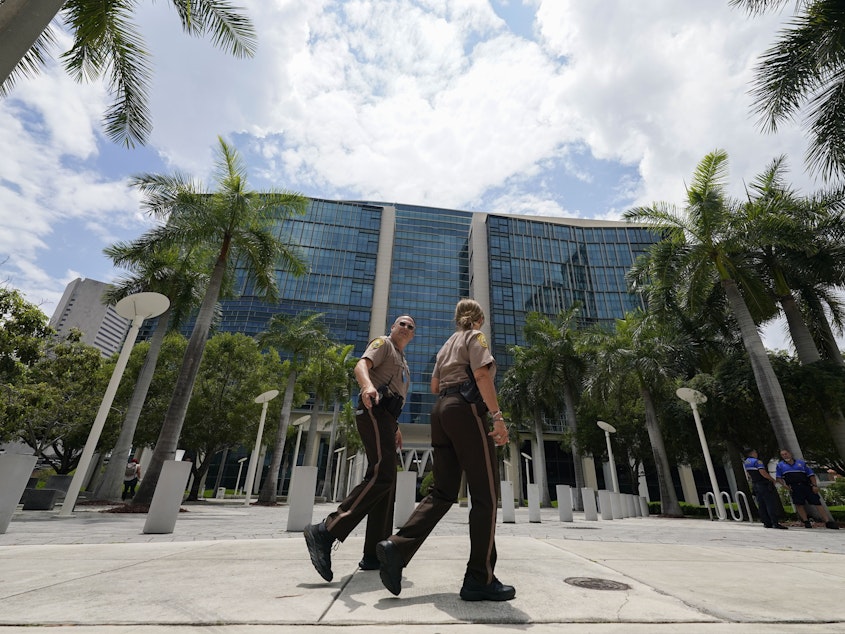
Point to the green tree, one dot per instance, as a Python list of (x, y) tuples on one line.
[(107, 44), (804, 73), (23, 331), (222, 412), (242, 226), (646, 350), (702, 247), (342, 364), (299, 336)]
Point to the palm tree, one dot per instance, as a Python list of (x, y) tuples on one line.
[(805, 69), (240, 225), (300, 336), (702, 247), (107, 43), (342, 364), (646, 350), (557, 338), (173, 273)]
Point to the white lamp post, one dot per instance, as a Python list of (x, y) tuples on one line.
[(137, 307), (238, 479), (527, 466), (694, 397), (264, 398), (610, 429)]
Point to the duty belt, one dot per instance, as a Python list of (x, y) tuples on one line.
[(450, 390)]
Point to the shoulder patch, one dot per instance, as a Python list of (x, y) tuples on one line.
[(482, 340), (376, 343)]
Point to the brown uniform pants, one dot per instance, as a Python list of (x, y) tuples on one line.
[(461, 444), (374, 497)]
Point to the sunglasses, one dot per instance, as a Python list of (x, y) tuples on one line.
[(407, 325)]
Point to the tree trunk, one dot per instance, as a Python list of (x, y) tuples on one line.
[(767, 383), (111, 485), (311, 440), (540, 461), (327, 483), (168, 438), (668, 498), (577, 464), (269, 490), (808, 354), (21, 23)]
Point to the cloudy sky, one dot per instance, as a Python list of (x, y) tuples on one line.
[(543, 107)]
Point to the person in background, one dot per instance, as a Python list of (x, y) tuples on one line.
[(384, 378), (803, 487), (463, 443), (131, 476), (763, 485)]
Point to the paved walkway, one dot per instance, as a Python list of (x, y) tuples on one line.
[(227, 568)]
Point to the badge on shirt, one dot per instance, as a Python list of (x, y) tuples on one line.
[(376, 344), (482, 341)]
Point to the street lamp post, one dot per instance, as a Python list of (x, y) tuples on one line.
[(527, 466), (610, 429), (694, 397), (137, 307), (264, 399), (238, 479)]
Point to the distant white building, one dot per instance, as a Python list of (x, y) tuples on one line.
[(82, 307)]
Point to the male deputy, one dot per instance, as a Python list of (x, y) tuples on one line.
[(384, 377), (803, 486), (763, 485)]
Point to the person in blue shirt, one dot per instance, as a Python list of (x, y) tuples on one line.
[(803, 486), (763, 485)]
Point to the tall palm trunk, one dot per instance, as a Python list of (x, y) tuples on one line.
[(171, 429), (539, 454), (22, 22), (577, 463), (269, 490), (112, 483), (764, 375), (313, 437), (668, 498), (327, 483), (808, 354)]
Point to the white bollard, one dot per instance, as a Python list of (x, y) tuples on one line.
[(301, 498), (534, 503), (167, 497), (616, 506), (564, 502), (605, 504), (15, 470), (221, 493), (508, 510), (406, 497), (588, 497)]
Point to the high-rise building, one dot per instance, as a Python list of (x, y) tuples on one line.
[(81, 307)]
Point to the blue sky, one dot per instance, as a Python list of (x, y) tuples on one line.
[(542, 107)]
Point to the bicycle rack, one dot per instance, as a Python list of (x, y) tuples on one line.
[(726, 501)]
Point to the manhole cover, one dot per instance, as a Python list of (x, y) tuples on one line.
[(593, 583)]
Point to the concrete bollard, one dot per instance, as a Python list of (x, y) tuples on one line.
[(564, 502), (15, 470), (170, 488), (301, 498), (406, 497), (221, 493), (589, 498), (616, 506), (508, 509), (605, 504), (534, 503)]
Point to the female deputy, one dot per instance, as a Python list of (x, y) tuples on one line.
[(462, 443)]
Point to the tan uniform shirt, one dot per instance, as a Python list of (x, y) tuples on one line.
[(389, 366), (464, 348)]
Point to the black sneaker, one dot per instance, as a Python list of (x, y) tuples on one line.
[(319, 542), (473, 590), (390, 570), (780, 526), (808, 524), (833, 525), (369, 562)]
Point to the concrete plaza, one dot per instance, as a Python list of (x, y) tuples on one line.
[(228, 568)]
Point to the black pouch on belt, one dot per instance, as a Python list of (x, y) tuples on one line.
[(471, 393), (390, 401)]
